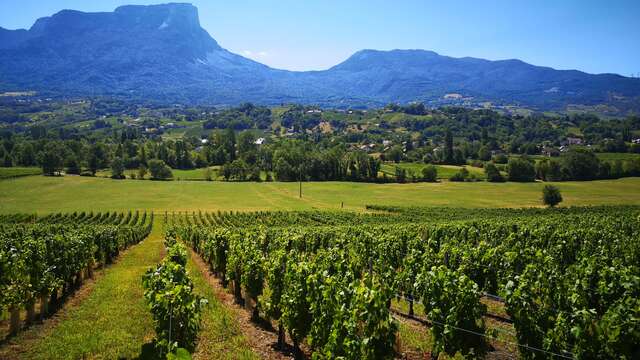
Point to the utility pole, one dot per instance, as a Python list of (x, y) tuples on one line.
[(300, 181)]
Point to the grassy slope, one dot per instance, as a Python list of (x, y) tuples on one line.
[(112, 322), (444, 171), (12, 172), (45, 194)]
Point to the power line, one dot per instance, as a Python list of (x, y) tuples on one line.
[(569, 356)]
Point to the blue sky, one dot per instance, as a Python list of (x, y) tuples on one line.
[(591, 35)]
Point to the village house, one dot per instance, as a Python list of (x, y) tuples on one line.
[(573, 141)]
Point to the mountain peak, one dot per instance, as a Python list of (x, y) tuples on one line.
[(368, 58), (172, 14), (161, 52)]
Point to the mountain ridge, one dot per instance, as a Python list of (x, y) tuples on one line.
[(161, 52)]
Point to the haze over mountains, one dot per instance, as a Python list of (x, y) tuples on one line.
[(161, 52)]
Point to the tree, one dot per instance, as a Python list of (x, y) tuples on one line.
[(551, 196), (401, 175), (73, 165), (8, 161), (247, 148), (448, 147), (521, 170), (236, 170), (117, 168), (26, 155), (97, 157), (581, 164), (183, 155), (159, 170), (396, 154), (52, 158), (484, 153), (430, 173), (492, 173), (229, 143)]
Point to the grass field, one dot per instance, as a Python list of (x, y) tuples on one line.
[(193, 174), (73, 193), (444, 171), (13, 172), (617, 156)]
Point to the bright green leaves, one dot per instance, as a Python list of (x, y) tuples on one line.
[(452, 303), (175, 308)]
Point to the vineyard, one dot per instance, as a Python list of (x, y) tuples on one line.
[(533, 283), (389, 282), (44, 259)]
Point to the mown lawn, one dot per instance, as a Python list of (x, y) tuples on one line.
[(72, 193)]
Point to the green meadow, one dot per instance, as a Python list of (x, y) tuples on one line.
[(41, 194)]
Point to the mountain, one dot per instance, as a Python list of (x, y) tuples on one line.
[(161, 52)]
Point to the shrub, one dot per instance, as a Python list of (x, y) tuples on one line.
[(492, 173), (208, 174), (142, 172), (430, 173), (168, 291), (159, 170), (460, 176), (551, 195), (401, 175)]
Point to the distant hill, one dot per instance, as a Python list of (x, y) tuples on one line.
[(161, 52)]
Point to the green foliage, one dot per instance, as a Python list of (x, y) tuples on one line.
[(521, 170), (401, 175), (551, 195), (430, 173), (461, 175), (452, 302), (568, 275), (159, 170), (175, 308), (117, 169), (492, 173), (237, 170), (39, 257), (179, 354), (581, 164), (296, 316), (51, 159)]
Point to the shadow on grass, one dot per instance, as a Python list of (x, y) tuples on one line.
[(148, 352)]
